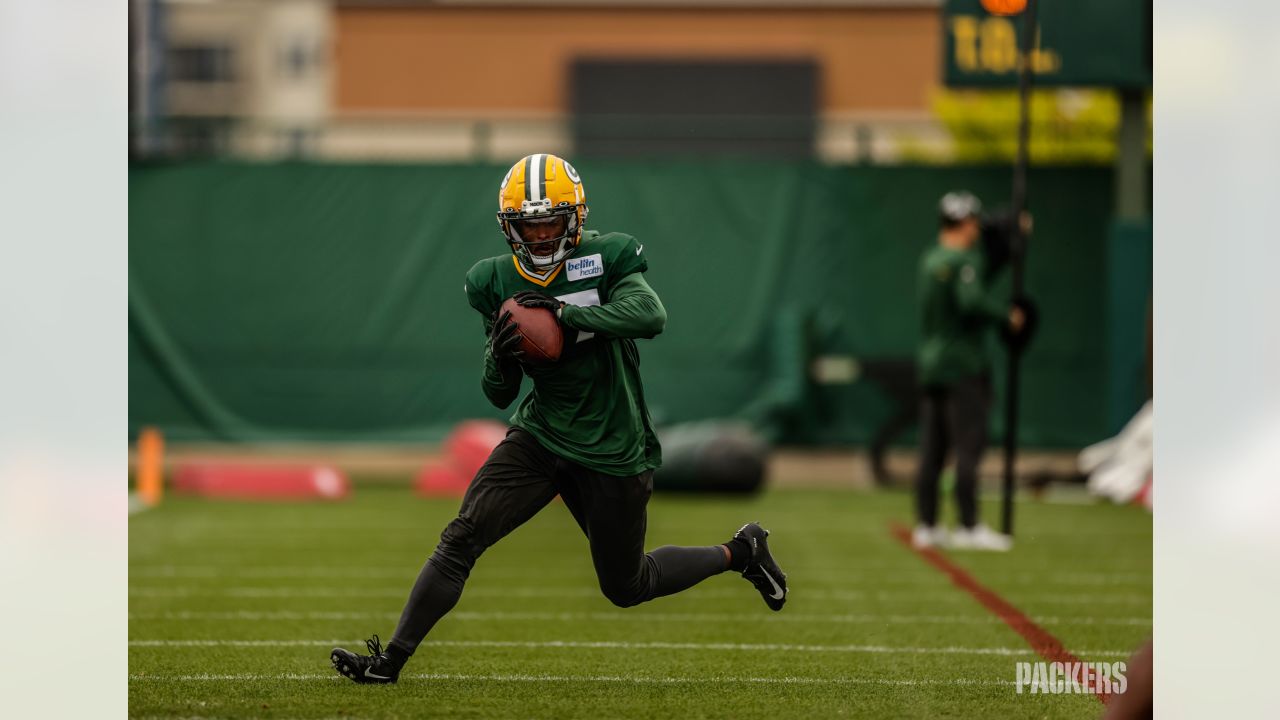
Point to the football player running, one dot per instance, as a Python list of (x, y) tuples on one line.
[(583, 433)]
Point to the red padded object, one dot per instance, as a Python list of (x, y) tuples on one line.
[(470, 443), (464, 452), (441, 480), (542, 338), (261, 482)]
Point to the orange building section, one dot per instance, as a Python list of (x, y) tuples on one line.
[(517, 60)]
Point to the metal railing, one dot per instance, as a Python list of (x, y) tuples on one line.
[(864, 139)]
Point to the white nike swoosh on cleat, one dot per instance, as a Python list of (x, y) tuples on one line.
[(777, 591), (639, 249), (374, 675)]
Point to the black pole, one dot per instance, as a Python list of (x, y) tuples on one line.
[(1017, 256)]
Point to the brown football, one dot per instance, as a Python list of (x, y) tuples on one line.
[(541, 337)]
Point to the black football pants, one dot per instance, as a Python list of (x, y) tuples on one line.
[(952, 417), (519, 479)]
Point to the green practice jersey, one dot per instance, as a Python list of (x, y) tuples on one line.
[(956, 313), (588, 407)]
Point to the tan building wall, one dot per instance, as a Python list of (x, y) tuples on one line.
[(492, 61)]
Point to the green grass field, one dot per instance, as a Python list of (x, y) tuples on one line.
[(234, 607)]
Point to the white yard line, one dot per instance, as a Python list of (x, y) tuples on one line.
[(878, 574), (500, 616), (607, 644), (579, 591), (718, 680)]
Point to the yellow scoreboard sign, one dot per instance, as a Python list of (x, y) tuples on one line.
[(1077, 42)]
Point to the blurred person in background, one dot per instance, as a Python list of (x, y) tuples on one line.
[(958, 312), (583, 433)]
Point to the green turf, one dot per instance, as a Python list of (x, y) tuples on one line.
[(871, 630)]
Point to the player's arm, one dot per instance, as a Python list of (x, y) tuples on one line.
[(502, 373), (633, 311)]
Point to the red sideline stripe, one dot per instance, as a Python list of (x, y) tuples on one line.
[(1049, 647)]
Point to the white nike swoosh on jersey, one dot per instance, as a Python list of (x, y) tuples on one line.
[(374, 675), (777, 591), (639, 249)]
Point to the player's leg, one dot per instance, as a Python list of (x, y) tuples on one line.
[(512, 486), (613, 513), (933, 454), (968, 409)]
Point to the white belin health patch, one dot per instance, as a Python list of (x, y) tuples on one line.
[(584, 267)]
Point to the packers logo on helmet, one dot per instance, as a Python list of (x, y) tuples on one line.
[(542, 209)]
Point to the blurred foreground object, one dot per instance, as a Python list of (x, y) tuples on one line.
[(1119, 468), (716, 457), (262, 482), (464, 452), (1138, 700)]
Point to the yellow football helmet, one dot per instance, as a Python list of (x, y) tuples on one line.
[(542, 190)]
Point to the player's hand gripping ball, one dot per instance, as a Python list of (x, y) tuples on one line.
[(504, 341), (533, 298), (541, 337)]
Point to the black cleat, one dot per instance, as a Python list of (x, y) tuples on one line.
[(761, 570), (374, 668)]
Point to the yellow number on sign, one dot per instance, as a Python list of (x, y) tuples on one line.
[(991, 46), (999, 46), (964, 33)]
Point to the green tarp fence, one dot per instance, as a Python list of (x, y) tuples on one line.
[(308, 302)]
